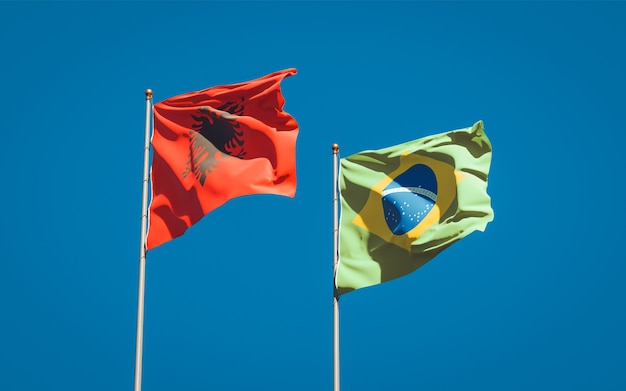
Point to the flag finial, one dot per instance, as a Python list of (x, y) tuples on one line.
[(148, 94), (335, 148)]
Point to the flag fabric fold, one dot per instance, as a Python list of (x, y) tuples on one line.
[(401, 206), (216, 144)]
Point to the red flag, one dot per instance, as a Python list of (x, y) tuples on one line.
[(216, 144)]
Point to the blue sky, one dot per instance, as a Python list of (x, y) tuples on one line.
[(243, 301)]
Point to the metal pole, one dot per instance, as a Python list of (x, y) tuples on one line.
[(142, 246), (335, 262)]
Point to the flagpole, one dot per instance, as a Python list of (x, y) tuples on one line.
[(142, 246), (335, 262)]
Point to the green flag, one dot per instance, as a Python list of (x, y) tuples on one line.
[(403, 205)]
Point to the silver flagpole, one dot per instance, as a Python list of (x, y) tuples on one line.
[(142, 245), (335, 261)]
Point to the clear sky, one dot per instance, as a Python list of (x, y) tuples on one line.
[(243, 301)]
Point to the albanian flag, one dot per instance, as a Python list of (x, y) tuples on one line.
[(216, 144)]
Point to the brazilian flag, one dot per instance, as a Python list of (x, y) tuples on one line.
[(401, 206)]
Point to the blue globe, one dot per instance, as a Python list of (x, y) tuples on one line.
[(409, 198)]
